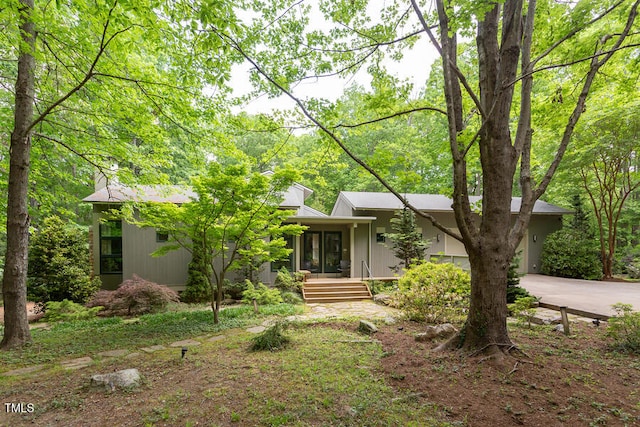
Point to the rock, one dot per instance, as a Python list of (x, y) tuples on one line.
[(367, 327), (153, 348), (559, 328), (256, 329), (113, 353), (127, 378), (185, 343), (439, 331), (382, 298), (79, 363), (23, 371)]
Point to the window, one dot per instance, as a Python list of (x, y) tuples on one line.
[(162, 236), (286, 263), (111, 247)]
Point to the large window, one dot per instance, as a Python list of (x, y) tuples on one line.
[(111, 247), (288, 262), (321, 251)]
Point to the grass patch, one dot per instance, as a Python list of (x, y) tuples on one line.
[(66, 340)]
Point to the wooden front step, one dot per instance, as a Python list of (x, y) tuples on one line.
[(325, 291)]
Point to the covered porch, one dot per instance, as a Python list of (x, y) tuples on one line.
[(334, 247)]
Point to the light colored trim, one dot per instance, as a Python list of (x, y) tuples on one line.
[(352, 247)]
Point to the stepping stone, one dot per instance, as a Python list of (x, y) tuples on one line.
[(153, 348), (185, 343), (113, 353), (23, 371), (216, 338), (79, 363), (132, 355), (256, 329)]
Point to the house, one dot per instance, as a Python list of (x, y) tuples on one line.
[(349, 242)]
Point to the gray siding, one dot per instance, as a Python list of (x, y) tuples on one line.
[(540, 227), (137, 246), (360, 250)]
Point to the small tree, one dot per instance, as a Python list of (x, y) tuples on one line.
[(606, 155), (59, 266), (236, 220), (407, 241), (197, 288)]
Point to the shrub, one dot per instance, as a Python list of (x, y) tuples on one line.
[(514, 291), (59, 265), (292, 298), (262, 294), (271, 339), (624, 328), (629, 263), (381, 287), (133, 297), (197, 288), (434, 293), (234, 290), (288, 283), (571, 253), (65, 310), (524, 309)]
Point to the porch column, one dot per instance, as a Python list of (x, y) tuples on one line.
[(297, 252), (352, 248)]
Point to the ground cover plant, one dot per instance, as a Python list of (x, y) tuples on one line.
[(331, 375), (69, 340)]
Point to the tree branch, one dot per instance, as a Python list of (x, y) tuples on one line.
[(334, 137)]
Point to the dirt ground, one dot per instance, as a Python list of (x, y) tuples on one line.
[(568, 381), (571, 381)]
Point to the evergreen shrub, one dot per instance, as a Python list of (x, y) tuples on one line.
[(197, 288), (66, 311), (59, 264), (571, 253), (262, 294), (435, 293)]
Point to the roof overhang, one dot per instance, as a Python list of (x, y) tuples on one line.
[(332, 219)]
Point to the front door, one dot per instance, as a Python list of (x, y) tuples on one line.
[(322, 251)]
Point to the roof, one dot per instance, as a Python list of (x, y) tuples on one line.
[(142, 193), (427, 202), (180, 194)]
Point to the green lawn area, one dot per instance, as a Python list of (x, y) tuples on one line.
[(68, 340), (327, 375)]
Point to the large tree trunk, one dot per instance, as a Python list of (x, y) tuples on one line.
[(14, 282), (486, 324)]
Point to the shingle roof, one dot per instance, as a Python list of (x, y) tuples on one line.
[(428, 202), (142, 193), (180, 194)]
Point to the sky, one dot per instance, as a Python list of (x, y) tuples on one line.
[(414, 66)]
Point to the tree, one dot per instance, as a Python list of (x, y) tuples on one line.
[(607, 154), (407, 242), (236, 220), (101, 81), (489, 107)]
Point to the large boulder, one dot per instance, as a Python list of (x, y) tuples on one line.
[(126, 379), (439, 331)]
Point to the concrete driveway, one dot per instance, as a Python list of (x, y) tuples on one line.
[(586, 295)]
